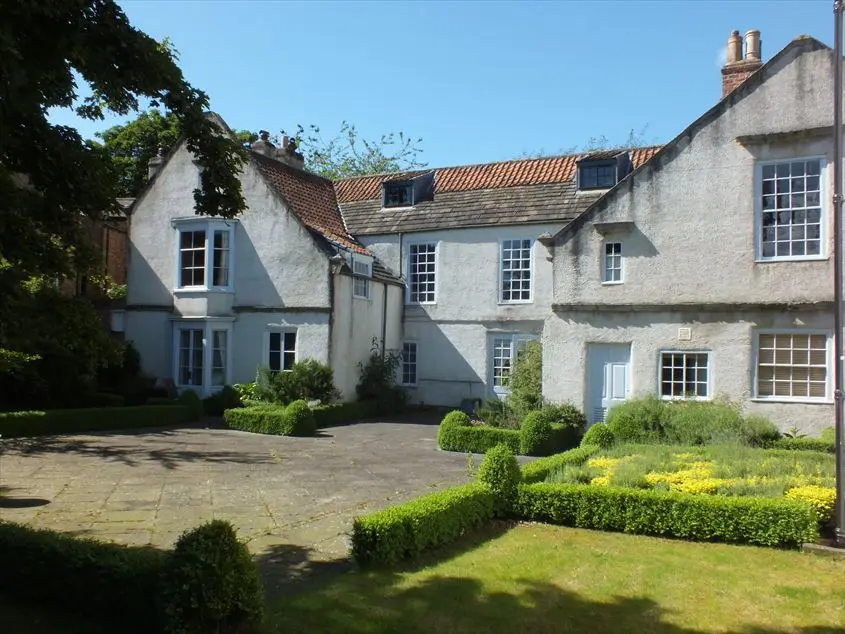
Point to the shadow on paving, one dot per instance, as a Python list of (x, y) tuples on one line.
[(119, 447)]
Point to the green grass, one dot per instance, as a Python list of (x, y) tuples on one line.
[(540, 578), (728, 469)]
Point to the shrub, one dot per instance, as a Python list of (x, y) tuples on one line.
[(564, 413), (828, 435), (539, 470), (105, 399), (65, 421), (340, 413), (216, 404), (299, 420), (475, 438), (822, 499), (313, 381), (499, 472), (496, 413), (83, 576), (247, 391), (263, 419), (535, 435), (762, 521), (404, 531), (638, 420), (526, 381), (377, 379), (599, 435), (211, 584), (802, 444), (191, 400), (758, 430), (701, 422)]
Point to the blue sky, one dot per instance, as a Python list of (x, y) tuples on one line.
[(478, 81)]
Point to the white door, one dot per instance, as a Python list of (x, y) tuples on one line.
[(608, 378)]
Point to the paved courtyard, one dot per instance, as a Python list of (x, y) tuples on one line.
[(284, 495)]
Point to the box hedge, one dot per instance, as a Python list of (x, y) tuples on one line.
[(539, 470), (803, 444), (761, 521), (208, 583), (537, 437), (404, 531), (476, 438), (82, 576), (296, 419), (62, 421)]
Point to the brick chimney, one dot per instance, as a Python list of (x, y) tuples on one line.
[(739, 68), (288, 154)]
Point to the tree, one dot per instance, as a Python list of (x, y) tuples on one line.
[(596, 143), (130, 146), (347, 154), (50, 179)]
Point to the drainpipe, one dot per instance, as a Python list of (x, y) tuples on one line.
[(838, 261), (384, 322)]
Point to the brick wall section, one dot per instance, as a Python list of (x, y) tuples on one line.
[(112, 238), (734, 74)]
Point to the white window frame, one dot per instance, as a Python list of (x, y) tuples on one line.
[(501, 298), (207, 326), (667, 397), (829, 365), (605, 258), (517, 340), (362, 273), (410, 342), (210, 227), (409, 264), (281, 331), (758, 210)]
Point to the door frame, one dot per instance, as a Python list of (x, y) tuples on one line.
[(629, 377)]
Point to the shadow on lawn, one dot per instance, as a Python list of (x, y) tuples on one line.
[(167, 447), (315, 596)]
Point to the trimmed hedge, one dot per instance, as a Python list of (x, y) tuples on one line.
[(404, 531), (761, 521), (802, 444), (476, 438), (600, 435), (261, 419), (539, 470), (63, 421), (499, 472), (299, 420), (340, 413), (535, 435), (83, 576)]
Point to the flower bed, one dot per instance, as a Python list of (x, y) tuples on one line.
[(716, 470)]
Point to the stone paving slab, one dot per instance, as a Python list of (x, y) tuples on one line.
[(293, 499)]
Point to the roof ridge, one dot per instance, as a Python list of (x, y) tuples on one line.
[(503, 162)]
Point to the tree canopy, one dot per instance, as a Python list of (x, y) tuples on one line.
[(51, 180)]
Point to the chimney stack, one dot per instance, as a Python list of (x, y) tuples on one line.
[(263, 145), (287, 153), (155, 163), (738, 68)]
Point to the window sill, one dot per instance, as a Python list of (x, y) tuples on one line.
[(794, 401), (201, 290), (803, 258), (521, 302), (412, 304), (620, 283), (361, 297), (681, 399)]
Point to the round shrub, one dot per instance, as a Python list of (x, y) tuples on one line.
[(638, 420), (211, 583), (299, 420), (446, 432), (702, 422), (757, 431), (499, 472), (564, 413), (457, 418), (193, 402), (599, 435), (535, 435)]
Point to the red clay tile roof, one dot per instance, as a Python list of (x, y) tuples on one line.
[(555, 169), (311, 197)]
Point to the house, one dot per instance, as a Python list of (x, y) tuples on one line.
[(210, 300), (474, 246), (707, 271)]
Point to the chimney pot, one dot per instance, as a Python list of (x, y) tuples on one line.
[(734, 48), (752, 46), (155, 163)]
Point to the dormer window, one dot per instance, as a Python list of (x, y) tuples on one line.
[(398, 194), (597, 175)]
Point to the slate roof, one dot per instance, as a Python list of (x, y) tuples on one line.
[(509, 192), (311, 198)]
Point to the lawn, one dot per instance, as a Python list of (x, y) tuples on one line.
[(538, 578)]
